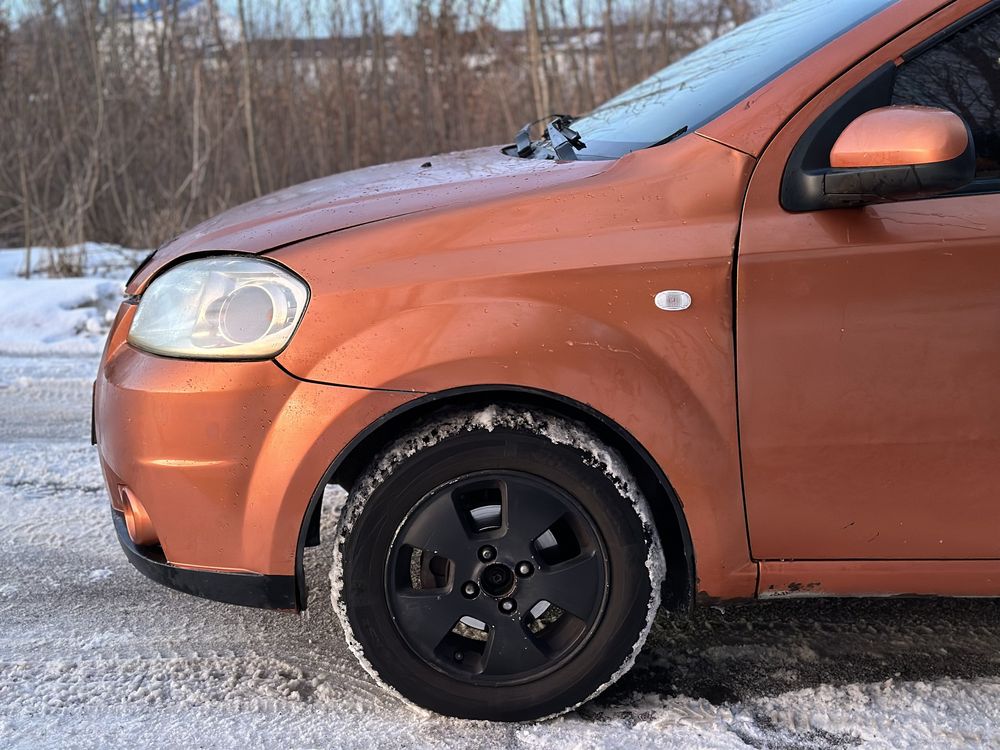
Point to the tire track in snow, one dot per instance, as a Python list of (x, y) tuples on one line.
[(92, 654)]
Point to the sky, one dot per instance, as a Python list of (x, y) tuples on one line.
[(396, 11), (510, 12)]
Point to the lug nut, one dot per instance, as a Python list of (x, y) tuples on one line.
[(459, 656), (487, 553), (525, 569), (470, 590), (507, 606)]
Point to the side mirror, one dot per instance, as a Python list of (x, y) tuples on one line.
[(890, 154)]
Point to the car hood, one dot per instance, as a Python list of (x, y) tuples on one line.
[(364, 196)]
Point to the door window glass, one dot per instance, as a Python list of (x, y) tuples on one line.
[(962, 74)]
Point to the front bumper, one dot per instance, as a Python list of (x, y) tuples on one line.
[(224, 458), (245, 589)]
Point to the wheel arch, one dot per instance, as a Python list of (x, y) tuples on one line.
[(668, 513)]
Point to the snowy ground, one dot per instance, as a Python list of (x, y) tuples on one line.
[(45, 316), (93, 654)]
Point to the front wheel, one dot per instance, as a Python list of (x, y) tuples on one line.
[(499, 564)]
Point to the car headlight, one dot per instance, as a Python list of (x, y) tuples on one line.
[(220, 308)]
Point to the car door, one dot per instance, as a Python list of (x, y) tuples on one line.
[(868, 339)]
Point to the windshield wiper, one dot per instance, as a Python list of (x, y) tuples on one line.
[(672, 137), (564, 140)]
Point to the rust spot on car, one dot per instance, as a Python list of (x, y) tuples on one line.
[(796, 587), (704, 599)]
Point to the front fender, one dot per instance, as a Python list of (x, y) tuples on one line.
[(668, 381), (554, 292)]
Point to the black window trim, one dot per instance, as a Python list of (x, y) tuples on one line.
[(986, 185), (949, 31)]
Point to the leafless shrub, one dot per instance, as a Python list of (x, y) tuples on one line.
[(128, 127)]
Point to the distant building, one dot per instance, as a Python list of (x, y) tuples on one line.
[(156, 8), (201, 24)]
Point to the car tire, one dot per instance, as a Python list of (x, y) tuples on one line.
[(497, 564)]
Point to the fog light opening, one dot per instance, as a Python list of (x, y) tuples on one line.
[(140, 527), (118, 501)]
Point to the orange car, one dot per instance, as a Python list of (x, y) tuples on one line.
[(734, 334)]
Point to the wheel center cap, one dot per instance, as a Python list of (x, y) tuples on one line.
[(497, 580)]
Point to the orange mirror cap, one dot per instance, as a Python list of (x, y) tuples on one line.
[(900, 136)]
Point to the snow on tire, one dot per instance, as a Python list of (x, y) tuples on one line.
[(486, 565)]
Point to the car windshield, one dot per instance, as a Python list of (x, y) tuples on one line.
[(709, 81)]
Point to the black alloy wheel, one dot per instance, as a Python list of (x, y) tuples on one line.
[(496, 573), (497, 577)]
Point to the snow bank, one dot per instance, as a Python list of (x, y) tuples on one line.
[(98, 259), (43, 315)]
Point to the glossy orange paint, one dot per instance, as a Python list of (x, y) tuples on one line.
[(224, 456), (542, 276), (901, 135), (867, 365), (550, 287), (365, 197), (554, 291)]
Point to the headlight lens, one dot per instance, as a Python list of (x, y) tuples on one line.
[(220, 308)]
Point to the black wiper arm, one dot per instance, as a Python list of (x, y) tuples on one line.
[(522, 141), (672, 137), (565, 141)]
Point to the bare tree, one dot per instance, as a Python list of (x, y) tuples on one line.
[(129, 126)]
